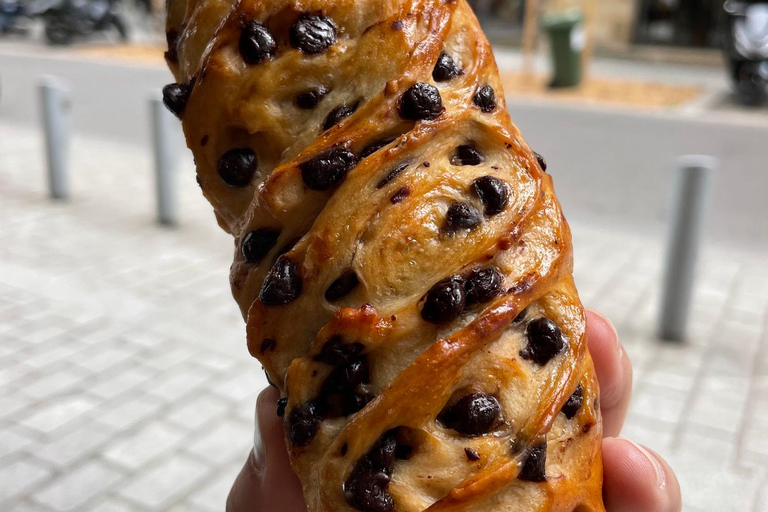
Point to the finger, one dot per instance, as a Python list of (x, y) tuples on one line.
[(267, 481), (637, 479), (614, 371), (279, 479), (243, 496)]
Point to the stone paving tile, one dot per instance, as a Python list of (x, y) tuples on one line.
[(186, 506), (104, 358), (43, 355), (66, 450), (710, 486), (58, 413), (13, 441), (10, 405), (239, 387), (213, 496), (666, 406), (112, 505), (166, 359), (125, 384), (143, 446), (158, 487), (175, 384), (78, 486), (123, 414), (761, 502), (26, 506), (54, 383), (223, 442), (111, 384), (18, 477), (197, 411)]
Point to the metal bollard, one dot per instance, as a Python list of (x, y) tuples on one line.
[(691, 200), (164, 125), (54, 97)]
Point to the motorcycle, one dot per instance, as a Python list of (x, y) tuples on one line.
[(67, 20), (13, 17), (746, 48)]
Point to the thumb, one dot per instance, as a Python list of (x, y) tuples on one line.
[(267, 483)]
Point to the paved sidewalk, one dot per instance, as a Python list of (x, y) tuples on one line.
[(125, 384)]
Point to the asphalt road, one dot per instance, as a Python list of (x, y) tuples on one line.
[(609, 166)]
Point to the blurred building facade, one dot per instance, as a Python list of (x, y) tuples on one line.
[(620, 25)]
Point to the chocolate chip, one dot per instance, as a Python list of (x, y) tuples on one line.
[(237, 167), (493, 192), (483, 285), (283, 283), (342, 287), (472, 455), (366, 490), (337, 353), (327, 169), (461, 216), (375, 146), (574, 403), (467, 155), (421, 101), (445, 69), (256, 43), (257, 244), (382, 455), (176, 96), (473, 415), (355, 401), (338, 114), (444, 301), (401, 195), (485, 98), (309, 99), (394, 173), (520, 318), (403, 451), (282, 403), (172, 38), (347, 377), (534, 467), (313, 34), (542, 161), (267, 345), (304, 422), (545, 341)]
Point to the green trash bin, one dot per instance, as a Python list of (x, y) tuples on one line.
[(566, 34)]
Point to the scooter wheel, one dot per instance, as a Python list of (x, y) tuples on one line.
[(58, 34), (750, 86)]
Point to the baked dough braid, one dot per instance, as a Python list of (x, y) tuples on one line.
[(400, 257)]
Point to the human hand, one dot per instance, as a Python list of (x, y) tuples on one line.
[(635, 478)]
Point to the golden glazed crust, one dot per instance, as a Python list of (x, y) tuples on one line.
[(414, 304)]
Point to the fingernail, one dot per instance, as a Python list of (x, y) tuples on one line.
[(661, 476), (258, 444)]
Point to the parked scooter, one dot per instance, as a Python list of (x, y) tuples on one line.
[(746, 47), (67, 20), (13, 17)]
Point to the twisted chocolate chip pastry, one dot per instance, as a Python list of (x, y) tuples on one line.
[(401, 258)]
